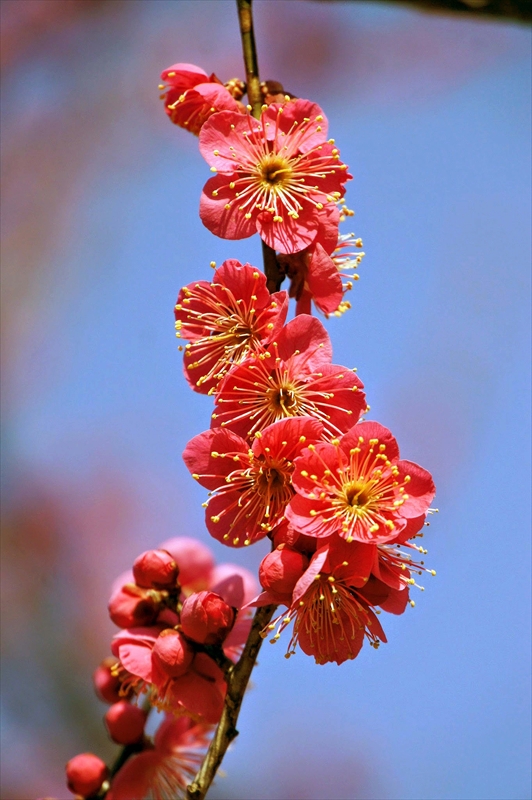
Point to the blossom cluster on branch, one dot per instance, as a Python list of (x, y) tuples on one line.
[(289, 454)]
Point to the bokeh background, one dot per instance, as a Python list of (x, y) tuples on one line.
[(101, 228)]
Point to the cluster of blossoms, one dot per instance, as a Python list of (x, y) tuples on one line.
[(279, 176), (289, 454), (182, 625)]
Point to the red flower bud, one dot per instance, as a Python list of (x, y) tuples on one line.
[(195, 561), (172, 653), (85, 774), (280, 571), (106, 684), (155, 569), (131, 607), (125, 722), (206, 618)]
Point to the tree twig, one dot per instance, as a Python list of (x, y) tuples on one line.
[(274, 276), (226, 731), (503, 10)]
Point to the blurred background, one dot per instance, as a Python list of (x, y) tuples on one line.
[(100, 229)]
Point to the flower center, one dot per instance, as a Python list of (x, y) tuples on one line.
[(330, 622), (271, 481), (358, 494), (283, 400), (274, 171)]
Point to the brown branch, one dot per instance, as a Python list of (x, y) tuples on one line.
[(226, 731), (274, 275), (500, 10)]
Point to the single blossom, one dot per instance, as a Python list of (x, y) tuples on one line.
[(225, 320), (331, 607), (179, 748), (317, 273), (250, 487), (358, 487), (191, 96), (276, 176), (293, 377)]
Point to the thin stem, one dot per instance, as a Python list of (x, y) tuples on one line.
[(226, 731), (245, 19), (274, 275)]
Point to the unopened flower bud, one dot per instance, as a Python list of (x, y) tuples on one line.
[(85, 774), (280, 571), (172, 653), (273, 92), (155, 569), (125, 722), (132, 607), (206, 618), (106, 682), (286, 534)]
